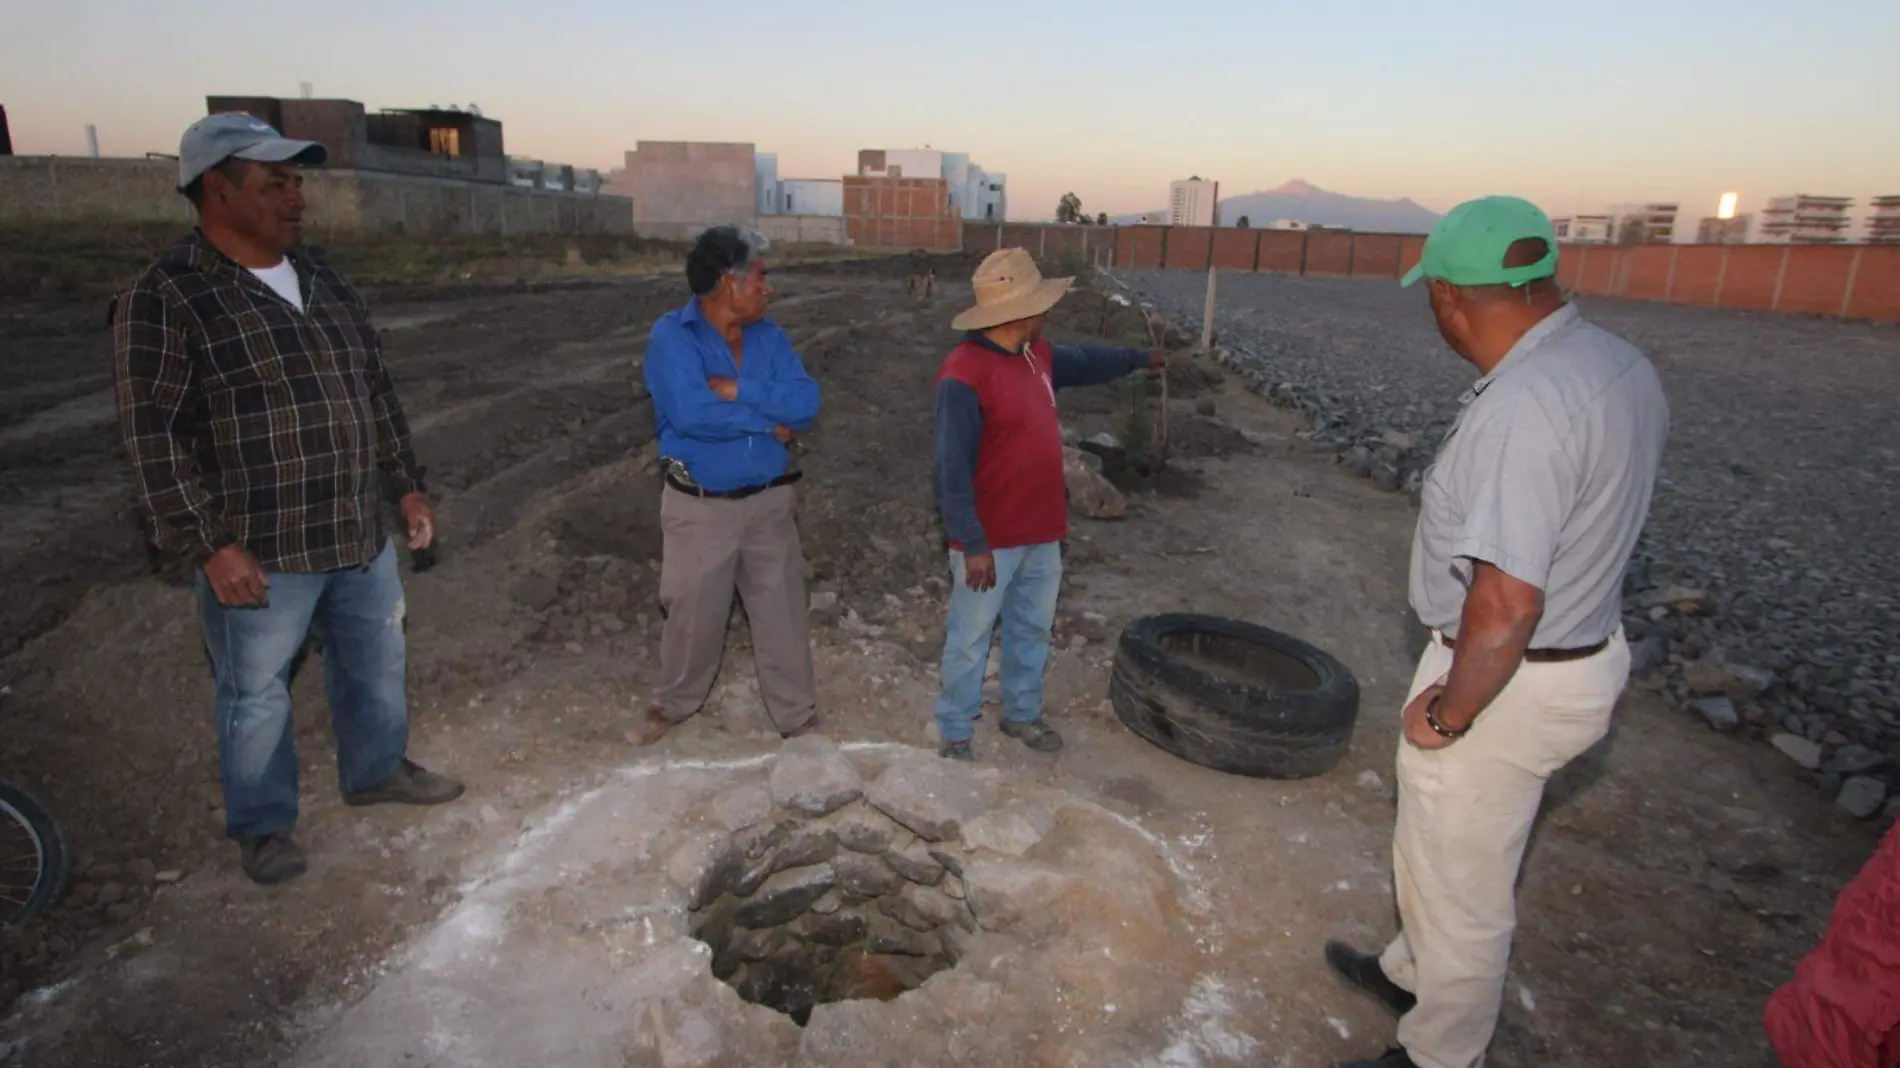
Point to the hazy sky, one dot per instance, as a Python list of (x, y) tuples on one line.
[(1573, 105)]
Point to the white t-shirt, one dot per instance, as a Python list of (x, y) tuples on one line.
[(283, 279)]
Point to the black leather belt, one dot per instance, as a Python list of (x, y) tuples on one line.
[(1544, 656), (742, 492)]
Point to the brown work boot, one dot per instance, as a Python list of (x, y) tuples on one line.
[(409, 784), (270, 859), (654, 724)]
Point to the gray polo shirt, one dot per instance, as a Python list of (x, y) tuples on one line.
[(1546, 474)]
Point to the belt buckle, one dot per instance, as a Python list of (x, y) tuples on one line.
[(677, 471)]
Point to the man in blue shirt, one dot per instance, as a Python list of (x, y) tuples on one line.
[(729, 391)]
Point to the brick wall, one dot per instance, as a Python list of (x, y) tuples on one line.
[(1856, 281), (901, 213)]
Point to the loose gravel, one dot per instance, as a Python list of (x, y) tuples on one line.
[(1775, 519)]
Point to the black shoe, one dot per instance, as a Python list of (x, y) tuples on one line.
[(1363, 971), (1396, 1057), (270, 859), (1035, 734), (411, 784), (957, 751)]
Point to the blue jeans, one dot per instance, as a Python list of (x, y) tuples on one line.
[(357, 614), (1027, 581)]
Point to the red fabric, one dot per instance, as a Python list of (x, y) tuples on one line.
[(1021, 496), (1842, 1009)]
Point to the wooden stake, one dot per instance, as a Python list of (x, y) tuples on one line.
[(1207, 314)]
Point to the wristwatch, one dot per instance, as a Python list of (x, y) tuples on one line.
[(1431, 720)]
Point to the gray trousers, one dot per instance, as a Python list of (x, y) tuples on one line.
[(711, 547)]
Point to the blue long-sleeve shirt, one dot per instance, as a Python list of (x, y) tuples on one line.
[(726, 445), (959, 426)]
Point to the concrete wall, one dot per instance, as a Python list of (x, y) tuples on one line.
[(804, 229), (683, 187), (1851, 281), (52, 187), (60, 187), (811, 196)]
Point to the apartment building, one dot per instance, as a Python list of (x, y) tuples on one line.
[(1883, 220), (1648, 223), (1806, 219), (1718, 231), (1194, 202), (1585, 229)]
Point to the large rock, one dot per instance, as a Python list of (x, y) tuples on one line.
[(1799, 749), (930, 797), (1735, 680), (866, 877), (785, 896), (1089, 492), (1862, 796), (742, 807), (1719, 712), (862, 830), (1005, 892), (1013, 831), (916, 863), (705, 866), (813, 777), (805, 846), (924, 909)]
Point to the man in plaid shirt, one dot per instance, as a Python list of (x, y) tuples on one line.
[(262, 428)]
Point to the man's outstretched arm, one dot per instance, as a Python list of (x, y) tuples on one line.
[(1094, 365)]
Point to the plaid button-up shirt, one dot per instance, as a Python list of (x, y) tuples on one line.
[(249, 422)]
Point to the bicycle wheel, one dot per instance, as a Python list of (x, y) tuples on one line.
[(33, 856)]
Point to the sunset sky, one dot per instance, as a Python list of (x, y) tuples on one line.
[(1574, 106)]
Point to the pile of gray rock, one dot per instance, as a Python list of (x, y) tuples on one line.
[(1735, 617)]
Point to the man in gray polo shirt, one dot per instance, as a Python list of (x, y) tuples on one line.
[(1528, 518)]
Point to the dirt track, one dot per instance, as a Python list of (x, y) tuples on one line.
[(1675, 878)]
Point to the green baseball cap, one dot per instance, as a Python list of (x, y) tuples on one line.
[(1467, 246)]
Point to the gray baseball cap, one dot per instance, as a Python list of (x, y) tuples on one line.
[(236, 135)]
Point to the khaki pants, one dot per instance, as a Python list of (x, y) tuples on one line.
[(711, 547), (1465, 814)]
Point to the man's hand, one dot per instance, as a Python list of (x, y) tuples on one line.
[(1157, 359), (979, 572), (1417, 731), (783, 433), (420, 519), (237, 579), (726, 388)]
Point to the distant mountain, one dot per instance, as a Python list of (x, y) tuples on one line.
[(1312, 205)]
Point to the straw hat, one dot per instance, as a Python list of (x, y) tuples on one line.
[(1009, 287)]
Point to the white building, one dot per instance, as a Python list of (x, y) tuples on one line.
[(1883, 221), (765, 172), (1585, 229), (1194, 202), (1806, 219), (974, 192), (1649, 223), (1154, 218), (810, 196)]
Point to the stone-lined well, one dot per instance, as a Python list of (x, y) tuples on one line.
[(694, 912)]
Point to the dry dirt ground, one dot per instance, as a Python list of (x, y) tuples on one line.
[(1676, 876)]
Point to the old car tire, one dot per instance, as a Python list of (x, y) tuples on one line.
[(1234, 696)]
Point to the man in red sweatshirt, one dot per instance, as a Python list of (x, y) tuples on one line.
[(1001, 490), (1842, 1008)]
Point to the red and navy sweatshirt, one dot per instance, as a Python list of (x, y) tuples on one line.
[(999, 440)]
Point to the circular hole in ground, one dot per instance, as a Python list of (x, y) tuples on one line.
[(792, 934)]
